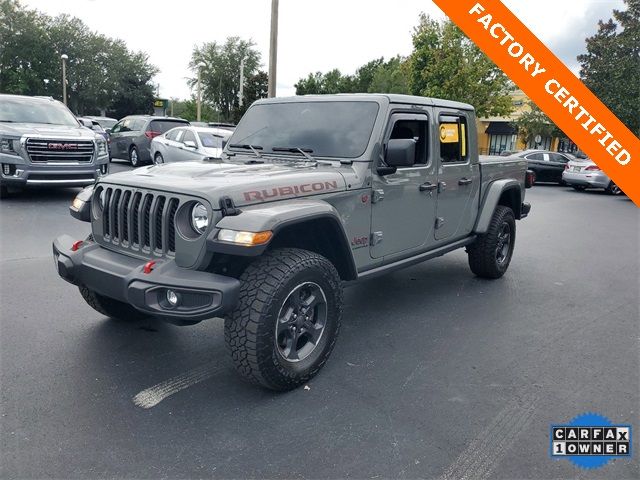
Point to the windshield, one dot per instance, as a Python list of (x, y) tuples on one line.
[(327, 129), (209, 140), (26, 110)]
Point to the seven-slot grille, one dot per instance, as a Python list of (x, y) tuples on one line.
[(42, 150), (139, 221)]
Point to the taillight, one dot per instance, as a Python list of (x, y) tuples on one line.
[(566, 166), (151, 134), (592, 168)]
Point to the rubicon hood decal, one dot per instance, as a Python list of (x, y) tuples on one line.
[(290, 191)]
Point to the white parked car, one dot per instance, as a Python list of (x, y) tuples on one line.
[(183, 144), (584, 173)]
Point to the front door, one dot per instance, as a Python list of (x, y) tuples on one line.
[(403, 203), (458, 178)]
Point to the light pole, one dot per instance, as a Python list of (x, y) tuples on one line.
[(273, 49), (200, 66), (64, 58), (241, 89)]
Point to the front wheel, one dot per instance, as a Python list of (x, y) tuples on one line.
[(490, 254), (287, 319), (134, 157), (158, 159)]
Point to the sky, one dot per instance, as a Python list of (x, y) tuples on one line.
[(312, 36)]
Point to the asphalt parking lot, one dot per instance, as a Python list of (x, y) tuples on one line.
[(436, 374)]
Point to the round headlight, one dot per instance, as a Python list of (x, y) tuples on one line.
[(199, 218), (101, 198)]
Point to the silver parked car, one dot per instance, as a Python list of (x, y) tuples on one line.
[(584, 173), (189, 143)]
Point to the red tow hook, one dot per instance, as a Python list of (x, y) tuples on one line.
[(148, 267), (76, 245)]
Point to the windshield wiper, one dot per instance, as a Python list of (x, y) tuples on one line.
[(303, 151), (248, 146)]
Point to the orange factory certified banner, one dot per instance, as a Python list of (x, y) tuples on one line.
[(552, 86)]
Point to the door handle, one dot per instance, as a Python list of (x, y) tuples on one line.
[(427, 187), (465, 181)]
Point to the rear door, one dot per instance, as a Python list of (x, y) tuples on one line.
[(458, 175), (403, 203)]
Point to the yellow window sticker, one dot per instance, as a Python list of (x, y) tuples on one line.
[(449, 133)]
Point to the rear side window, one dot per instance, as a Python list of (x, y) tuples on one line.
[(535, 156), (162, 126), (136, 124), (453, 139)]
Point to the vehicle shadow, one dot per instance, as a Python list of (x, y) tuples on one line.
[(42, 195)]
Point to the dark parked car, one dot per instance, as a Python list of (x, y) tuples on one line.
[(131, 137), (547, 166)]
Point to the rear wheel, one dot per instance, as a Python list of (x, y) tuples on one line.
[(287, 319), (110, 307), (134, 156), (613, 189), (490, 254)]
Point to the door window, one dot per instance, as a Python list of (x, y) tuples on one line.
[(173, 134), (116, 128), (535, 156), (189, 136), (417, 130), (556, 157), (453, 139)]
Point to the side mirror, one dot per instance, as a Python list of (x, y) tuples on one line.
[(190, 144), (401, 152)]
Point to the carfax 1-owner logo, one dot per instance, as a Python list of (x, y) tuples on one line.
[(590, 441)]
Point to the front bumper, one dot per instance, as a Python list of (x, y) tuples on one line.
[(202, 295), (21, 175), (595, 179)]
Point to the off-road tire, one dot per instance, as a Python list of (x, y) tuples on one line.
[(579, 188), (110, 307), (250, 330), (134, 157), (482, 253)]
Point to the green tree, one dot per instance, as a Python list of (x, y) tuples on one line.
[(331, 82), (187, 109), (536, 122), (611, 66), (102, 73), (446, 64), (221, 74), (391, 77)]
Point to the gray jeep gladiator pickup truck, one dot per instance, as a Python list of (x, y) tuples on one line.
[(43, 144), (311, 192)]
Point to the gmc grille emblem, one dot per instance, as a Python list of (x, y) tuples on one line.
[(62, 146)]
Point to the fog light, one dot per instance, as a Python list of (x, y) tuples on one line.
[(6, 169), (172, 298)]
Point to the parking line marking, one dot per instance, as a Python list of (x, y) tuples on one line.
[(485, 452), (152, 396)]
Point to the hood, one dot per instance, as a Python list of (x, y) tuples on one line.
[(245, 184), (46, 130)]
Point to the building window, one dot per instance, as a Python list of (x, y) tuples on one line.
[(500, 143)]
